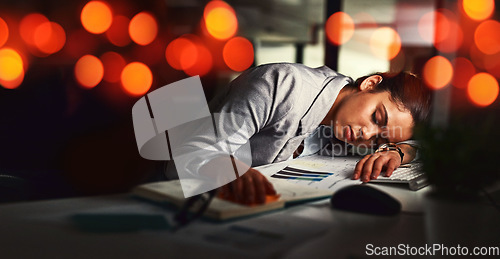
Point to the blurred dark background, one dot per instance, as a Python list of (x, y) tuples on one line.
[(61, 139)]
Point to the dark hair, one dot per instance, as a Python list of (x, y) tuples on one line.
[(406, 89)]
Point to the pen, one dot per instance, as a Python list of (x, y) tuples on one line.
[(193, 208)]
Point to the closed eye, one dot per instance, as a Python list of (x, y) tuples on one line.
[(378, 140), (374, 118)]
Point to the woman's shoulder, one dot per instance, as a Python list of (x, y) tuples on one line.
[(294, 67), (275, 69)]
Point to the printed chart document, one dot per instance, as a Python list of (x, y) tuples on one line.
[(319, 172), (296, 181)]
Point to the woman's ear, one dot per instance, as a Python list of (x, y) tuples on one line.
[(370, 82)]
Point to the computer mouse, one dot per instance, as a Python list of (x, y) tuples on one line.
[(365, 199)]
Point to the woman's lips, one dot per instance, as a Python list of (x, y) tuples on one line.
[(348, 134)]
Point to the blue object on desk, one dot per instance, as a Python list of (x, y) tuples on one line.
[(365, 199)]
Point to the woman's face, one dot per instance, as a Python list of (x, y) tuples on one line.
[(366, 118)]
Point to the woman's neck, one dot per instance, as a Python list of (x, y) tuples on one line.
[(330, 116)]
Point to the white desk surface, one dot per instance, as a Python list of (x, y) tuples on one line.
[(43, 229)]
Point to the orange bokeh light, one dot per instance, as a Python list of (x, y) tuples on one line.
[(12, 84), (4, 32), (136, 78), (96, 17), (482, 89), (28, 26), (117, 33), (464, 70), (49, 37), (487, 37), (339, 28), (89, 71), (181, 53), (143, 28), (113, 65), (220, 20), (385, 43), (11, 68), (437, 72), (478, 9), (238, 54)]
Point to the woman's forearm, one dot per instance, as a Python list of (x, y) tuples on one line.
[(409, 151)]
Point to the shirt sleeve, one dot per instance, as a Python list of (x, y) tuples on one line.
[(247, 105), (414, 144)]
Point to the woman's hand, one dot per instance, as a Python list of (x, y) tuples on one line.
[(372, 165), (250, 188)]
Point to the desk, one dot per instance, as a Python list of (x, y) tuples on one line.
[(43, 229)]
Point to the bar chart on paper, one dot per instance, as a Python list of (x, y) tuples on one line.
[(299, 174), (320, 172)]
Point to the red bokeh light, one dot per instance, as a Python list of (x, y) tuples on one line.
[(464, 70), (477, 57), (79, 43), (204, 61), (448, 34), (487, 37), (181, 53), (492, 64), (28, 26), (188, 53), (150, 54), (49, 37), (4, 32), (113, 64), (238, 54), (117, 33)]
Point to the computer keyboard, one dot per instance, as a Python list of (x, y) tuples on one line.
[(411, 174)]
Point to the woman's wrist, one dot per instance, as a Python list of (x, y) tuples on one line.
[(409, 151), (391, 147)]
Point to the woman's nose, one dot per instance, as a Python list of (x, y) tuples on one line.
[(368, 133)]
